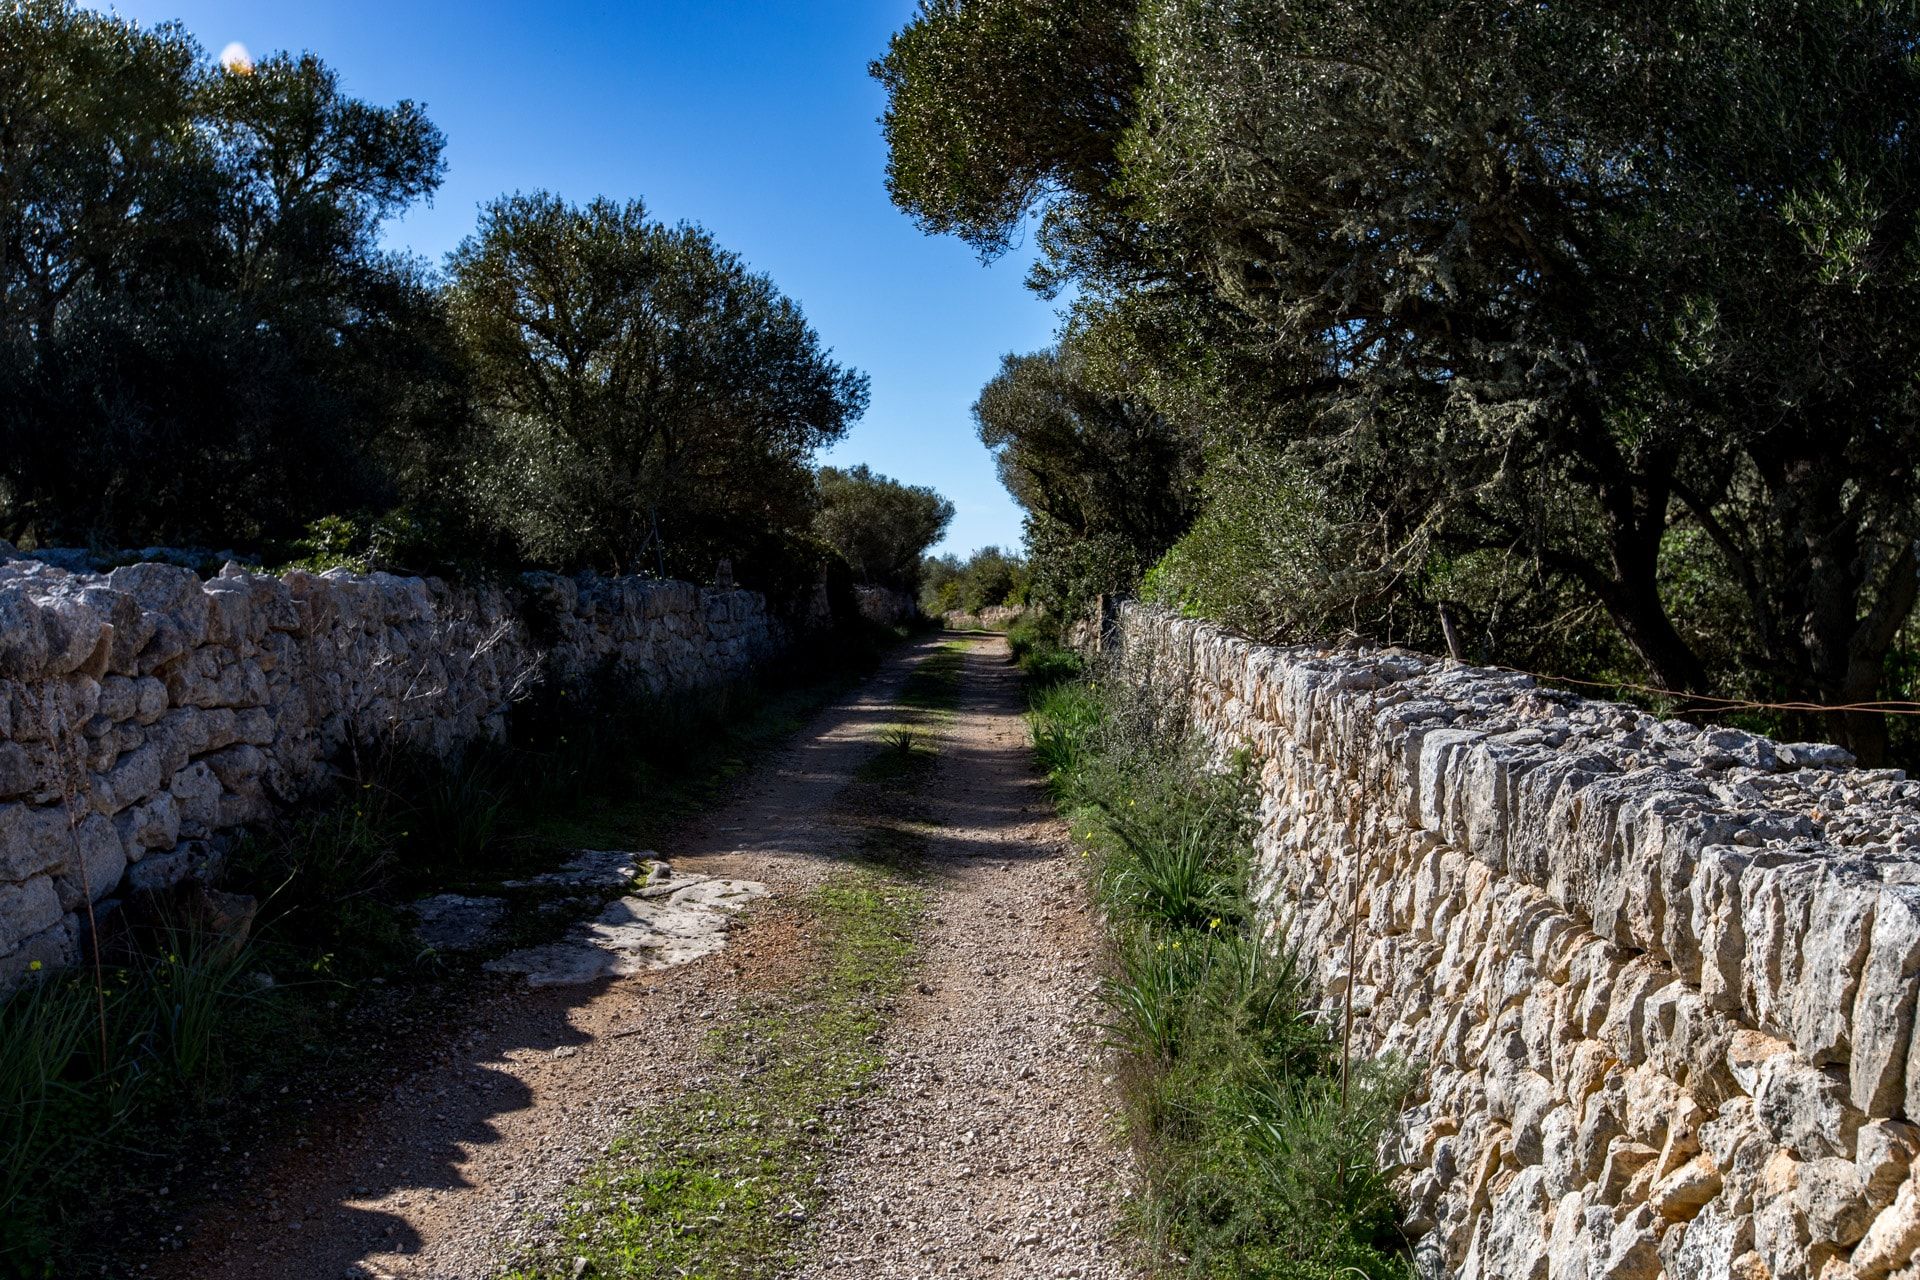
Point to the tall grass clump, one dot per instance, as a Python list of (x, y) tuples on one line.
[(96, 1063), (1260, 1152)]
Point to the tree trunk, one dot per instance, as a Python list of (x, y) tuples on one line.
[(1848, 623)]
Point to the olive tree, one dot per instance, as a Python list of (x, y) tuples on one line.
[(880, 527), (646, 402)]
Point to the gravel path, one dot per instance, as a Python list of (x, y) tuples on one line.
[(986, 1151)]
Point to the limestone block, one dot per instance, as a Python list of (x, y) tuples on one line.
[(1831, 1198), (1681, 1195), (129, 628), (1834, 954), (1511, 1240), (1806, 1108), (197, 792), (75, 633), (33, 839), (1633, 1251), (96, 860), (1624, 1161), (24, 642), (237, 767), (151, 695), (1570, 1244), (1713, 1242), (133, 779), (1892, 1237), (1884, 1152), (152, 825), (20, 772), (26, 909)]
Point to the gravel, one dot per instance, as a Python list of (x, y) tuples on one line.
[(985, 1150)]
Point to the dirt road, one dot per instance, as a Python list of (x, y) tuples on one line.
[(986, 1150)]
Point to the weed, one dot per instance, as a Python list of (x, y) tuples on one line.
[(67, 1094), (1034, 643)]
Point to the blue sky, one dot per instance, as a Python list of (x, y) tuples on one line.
[(755, 118)]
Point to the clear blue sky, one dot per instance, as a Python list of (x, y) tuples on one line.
[(755, 118)]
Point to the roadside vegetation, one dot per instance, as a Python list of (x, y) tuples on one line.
[(1573, 338), (987, 579), (187, 1038), (724, 1184), (1257, 1142)]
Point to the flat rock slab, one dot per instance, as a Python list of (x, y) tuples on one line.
[(452, 922), (597, 869), (672, 920)]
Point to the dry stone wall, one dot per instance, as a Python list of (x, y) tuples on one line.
[(1660, 980), (146, 711)]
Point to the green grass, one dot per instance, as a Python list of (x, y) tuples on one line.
[(933, 686), (722, 1184), (1258, 1149), (87, 1070), (1034, 642)]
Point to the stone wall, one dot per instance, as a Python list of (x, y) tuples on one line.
[(145, 711), (1660, 980), (885, 607)]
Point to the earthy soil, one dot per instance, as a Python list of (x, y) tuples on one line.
[(986, 1150)]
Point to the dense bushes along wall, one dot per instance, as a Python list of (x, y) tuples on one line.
[(146, 711)]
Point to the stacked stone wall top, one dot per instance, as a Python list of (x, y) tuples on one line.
[(1660, 979), (145, 711)]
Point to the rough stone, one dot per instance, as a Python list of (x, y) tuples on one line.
[(1669, 974), (673, 921), (190, 707)]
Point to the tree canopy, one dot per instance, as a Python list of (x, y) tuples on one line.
[(647, 399), (200, 338), (1621, 293), (880, 527), (202, 343)]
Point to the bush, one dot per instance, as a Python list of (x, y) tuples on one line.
[(1275, 557)]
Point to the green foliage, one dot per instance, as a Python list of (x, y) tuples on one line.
[(83, 1067), (882, 528), (1063, 722), (648, 402), (993, 104), (986, 579), (1509, 287), (1103, 476), (1260, 1152), (201, 340), (1276, 557), (1034, 646)]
